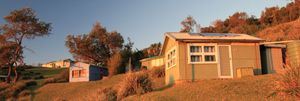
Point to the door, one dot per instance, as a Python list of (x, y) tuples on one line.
[(225, 62)]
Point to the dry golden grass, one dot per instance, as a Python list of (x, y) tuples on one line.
[(284, 31), (157, 72), (74, 91), (289, 84), (135, 83), (253, 88)]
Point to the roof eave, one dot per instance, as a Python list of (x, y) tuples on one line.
[(219, 40)]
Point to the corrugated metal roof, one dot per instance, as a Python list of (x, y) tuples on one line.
[(211, 36)]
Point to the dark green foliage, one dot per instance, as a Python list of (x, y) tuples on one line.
[(62, 77), (13, 90), (39, 77)]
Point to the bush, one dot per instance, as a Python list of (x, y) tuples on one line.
[(39, 77), (37, 73), (49, 80), (157, 72), (62, 77), (26, 78), (18, 87), (107, 94), (289, 84), (25, 93), (135, 83), (31, 83), (114, 63), (3, 86)]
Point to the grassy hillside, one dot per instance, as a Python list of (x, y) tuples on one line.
[(73, 91), (284, 31), (256, 88), (31, 79), (248, 88), (80, 90)]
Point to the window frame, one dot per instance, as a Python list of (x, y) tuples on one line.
[(168, 59), (202, 53)]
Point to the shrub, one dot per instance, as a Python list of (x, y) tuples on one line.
[(37, 73), (135, 83), (31, 83), (14, 90), (114, 63), (107, 94), (25, 93), (39, 77), (62, 77), (289, 84), (49, 80), (26, 78), (3, 86), (157, 72)]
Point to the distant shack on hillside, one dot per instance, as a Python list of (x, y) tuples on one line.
[(80, 72), (66, 63)]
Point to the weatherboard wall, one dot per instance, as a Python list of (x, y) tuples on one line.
[(172, 73), (244, 55)]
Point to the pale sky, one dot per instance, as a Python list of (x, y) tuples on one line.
[(145, 22)]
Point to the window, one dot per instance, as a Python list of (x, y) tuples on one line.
[(202, 53), (196, 58), (75, 74), (83, 73), (209, 49), (79, 73), (210, 58), (195, 49), (171, 59)]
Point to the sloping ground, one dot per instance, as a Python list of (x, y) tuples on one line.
[(81, 91), (285, 31), (255, 88), (73, 91)]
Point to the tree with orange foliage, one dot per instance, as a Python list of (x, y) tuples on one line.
[(95, 47), (188, 23)]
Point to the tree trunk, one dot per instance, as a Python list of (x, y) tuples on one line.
[(8, 75), (16, 75)]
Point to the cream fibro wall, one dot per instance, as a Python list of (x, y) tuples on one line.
[(172, 73), (243, 55)]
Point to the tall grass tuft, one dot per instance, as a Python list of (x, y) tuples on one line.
[(289, 84), (157, 72), (107, 94), (135, 83)]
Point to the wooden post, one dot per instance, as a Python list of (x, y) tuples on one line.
[(193, 72)]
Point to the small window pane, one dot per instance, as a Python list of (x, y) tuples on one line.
[(196, 58), (194, 49), (210, 58), (209, 48)]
